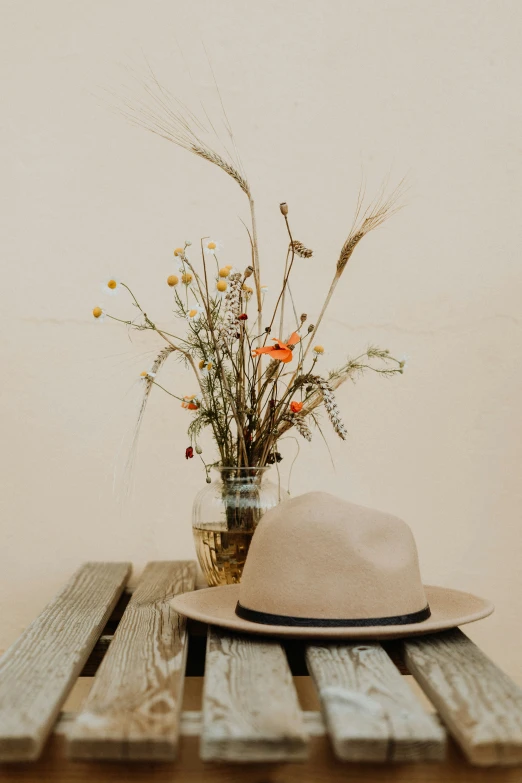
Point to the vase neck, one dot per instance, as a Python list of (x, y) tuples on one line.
[(245, 475)]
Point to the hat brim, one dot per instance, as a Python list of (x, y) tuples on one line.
[(217, 605)]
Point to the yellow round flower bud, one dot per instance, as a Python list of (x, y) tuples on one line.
[(97, 312), (144, 374), (319, 349), (178, 251), (172, 280), (202, 364), (186, 278), (211, 245), (248, 290), (221, 285), (224, 271), (112, 284)]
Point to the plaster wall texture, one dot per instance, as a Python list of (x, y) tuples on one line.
[(316, 93)]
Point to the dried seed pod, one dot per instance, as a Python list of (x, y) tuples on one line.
[(301, 250), (284, 208)]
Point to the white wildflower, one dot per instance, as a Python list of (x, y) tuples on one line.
[(111, 287), (195, 314), (212, 247), (99, 314)]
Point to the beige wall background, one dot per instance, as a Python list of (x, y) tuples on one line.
[(317, 91)]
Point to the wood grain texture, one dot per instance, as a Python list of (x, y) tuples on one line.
[(191, 724), (481, 705), (250, 706), (370, 712), (40, 668), (321, 766), (132, 711)]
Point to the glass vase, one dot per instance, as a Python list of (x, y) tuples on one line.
[(224, 517)]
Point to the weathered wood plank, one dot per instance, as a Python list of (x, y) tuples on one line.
[(132, 711), (370, 712), (321, 766), (191, 724), (39, 669), (481, 705), (250, 706)]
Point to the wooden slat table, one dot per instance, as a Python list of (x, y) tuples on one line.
[(265, 711)]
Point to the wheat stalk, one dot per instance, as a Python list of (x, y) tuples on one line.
[(148, 382), (373, 217), (330, 403), (299, 422), (161, 113), (167, 117), (213, 157), (350, 371)]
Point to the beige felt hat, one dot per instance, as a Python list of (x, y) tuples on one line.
[(319, 566)]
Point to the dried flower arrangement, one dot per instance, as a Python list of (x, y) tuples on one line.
[(253, 381)]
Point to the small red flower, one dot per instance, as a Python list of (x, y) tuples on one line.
[(295, 406), (189, 453), (243, 317)]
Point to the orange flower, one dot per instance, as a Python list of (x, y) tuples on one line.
[(190, 402), (295, 406), (280, 350)]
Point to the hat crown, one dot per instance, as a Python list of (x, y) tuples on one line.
[(318, 556)]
